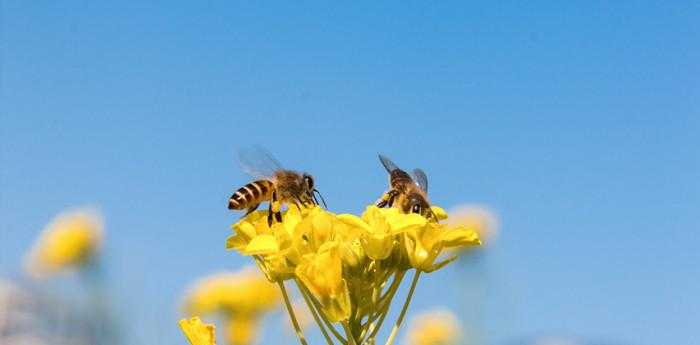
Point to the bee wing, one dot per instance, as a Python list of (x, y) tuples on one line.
[(387, 163), (258, 162), (421, 179)]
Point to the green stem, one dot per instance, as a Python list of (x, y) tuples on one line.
[(314, 313), (316, 304), (395, 329), (290, 310), (383, 311), (348, 333)]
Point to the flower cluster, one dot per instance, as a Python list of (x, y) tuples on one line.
[(347, 268), (70, 241), (239, 298)]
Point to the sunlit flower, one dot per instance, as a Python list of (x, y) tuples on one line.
[(322, 273), (437, 327), (425, 243), (198, 333), (348, 268), (70, 241)]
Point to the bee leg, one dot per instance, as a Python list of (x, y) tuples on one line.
[(269, 214), (274, 209), (251, 209), (391, 200), (298, 203), (387, 199)]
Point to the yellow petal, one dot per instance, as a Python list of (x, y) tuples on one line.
[(460, 237), (236, 242), (355, 221), (403, 222), (352, 252), (338, 308), (198, 333), (439, 212), (263, 244), (377, 246), (245, 228)]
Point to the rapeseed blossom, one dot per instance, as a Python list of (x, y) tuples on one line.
[(348, 268)]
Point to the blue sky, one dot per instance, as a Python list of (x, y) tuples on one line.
[(578, 123)]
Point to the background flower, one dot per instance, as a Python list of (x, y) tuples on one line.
[(240, 299), (435, 327), (70, 241)]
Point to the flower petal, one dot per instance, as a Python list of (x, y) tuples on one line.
[(460, 237), (353, 220), (403, 222), (198, 333), (236, 242), (439, 212), (263, 244)]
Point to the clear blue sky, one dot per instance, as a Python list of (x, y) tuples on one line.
[(578, 123)]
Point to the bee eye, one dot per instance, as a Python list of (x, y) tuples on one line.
[(416, 209), (309, 181)]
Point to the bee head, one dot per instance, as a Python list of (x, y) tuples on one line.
[(308, 181), (418, 205)]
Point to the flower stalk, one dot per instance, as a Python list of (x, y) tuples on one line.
[(292, 316)]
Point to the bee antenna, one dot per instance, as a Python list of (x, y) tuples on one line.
[(320, 196)]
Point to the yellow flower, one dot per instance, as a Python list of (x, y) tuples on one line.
[(197, 332), (253, 236), (376, 237), (438, 327), (71, 240), (348, 268), (245, 292), (322, 274), (425, 243)]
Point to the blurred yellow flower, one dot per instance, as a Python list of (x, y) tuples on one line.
[(239, 298), (242, 329), (437, 327), (70, 241), (198, 333), (245, 292), (480, 219)]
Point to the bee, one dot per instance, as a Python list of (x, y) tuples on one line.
[(274, 185), (408, 193)]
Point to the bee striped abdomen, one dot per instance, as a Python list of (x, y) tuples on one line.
[(251, 194)]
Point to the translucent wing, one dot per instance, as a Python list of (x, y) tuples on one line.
[(421, 179), (258, 162), (387, 163)]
